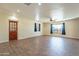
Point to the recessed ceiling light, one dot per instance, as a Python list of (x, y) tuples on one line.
[(18, 10), (13, 18), (39, 4)]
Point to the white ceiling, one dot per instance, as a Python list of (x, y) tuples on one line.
[(57, 11)]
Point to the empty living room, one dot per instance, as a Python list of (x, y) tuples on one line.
[(39, 29)]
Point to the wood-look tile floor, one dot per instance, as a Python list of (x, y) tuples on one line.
[(41, 46)]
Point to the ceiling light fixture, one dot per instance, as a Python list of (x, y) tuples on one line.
[(13, 18), (39, 4), (18, 10), (27, 4), (51, 19)]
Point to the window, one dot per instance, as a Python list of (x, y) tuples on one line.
[(56, 28), (37, 27)]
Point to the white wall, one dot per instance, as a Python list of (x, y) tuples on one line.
[(46, 29), (25, 28), (72, 28), (3, 28)]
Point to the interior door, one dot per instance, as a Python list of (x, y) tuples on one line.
[(13, 29)]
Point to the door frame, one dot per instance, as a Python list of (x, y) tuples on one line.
[(16, 29)]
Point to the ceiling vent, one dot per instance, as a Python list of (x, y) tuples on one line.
[(28, 4)]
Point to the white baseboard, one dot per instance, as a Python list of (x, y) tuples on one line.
[(4, 41), (67, 36)]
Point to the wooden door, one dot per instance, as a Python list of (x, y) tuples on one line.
[(13, 29)]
